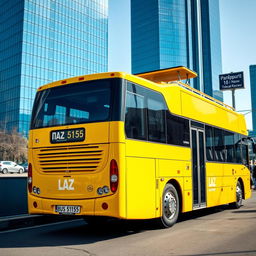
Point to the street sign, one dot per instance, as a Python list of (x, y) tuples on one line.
[(231, 81)]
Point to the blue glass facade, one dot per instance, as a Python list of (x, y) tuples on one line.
[(44, 41), (253, 95), (172, 33), (145, 36), (168, 33), (212, 66)]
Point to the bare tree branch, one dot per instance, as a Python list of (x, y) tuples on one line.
[(13, 146)]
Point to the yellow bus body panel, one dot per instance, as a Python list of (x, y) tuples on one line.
[(221, 180), (85, 183)]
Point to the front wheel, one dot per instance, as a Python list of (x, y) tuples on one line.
[(4, 171), (170, 206), (239, 196)]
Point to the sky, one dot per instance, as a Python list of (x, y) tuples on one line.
[(238, 41)]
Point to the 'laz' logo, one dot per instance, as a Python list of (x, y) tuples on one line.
[(58, 136), (66, 184)]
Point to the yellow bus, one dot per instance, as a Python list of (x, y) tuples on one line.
[(144, 146)]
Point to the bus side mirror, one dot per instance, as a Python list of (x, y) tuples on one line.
[(253, 144), (254, 148)]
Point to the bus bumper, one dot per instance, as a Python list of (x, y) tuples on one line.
[(105, 206)]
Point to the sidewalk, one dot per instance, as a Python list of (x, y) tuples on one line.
[(26, 220)]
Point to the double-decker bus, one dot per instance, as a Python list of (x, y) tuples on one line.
[(144, 146)]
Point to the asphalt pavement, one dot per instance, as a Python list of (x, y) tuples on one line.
[(218, 231)]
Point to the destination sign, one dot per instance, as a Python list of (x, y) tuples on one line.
[(231, 81)]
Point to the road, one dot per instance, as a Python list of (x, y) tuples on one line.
[(218, 231), (13, 175)]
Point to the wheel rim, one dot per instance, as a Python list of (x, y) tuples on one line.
[(170, 205), (238, 194)]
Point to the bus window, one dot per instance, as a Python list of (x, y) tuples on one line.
[(177, 130), (156, 119), (73, 104), (245, 154), (229, 146), (145, 114), (209, 143), (238, 152), (135, 116), (219, 154)]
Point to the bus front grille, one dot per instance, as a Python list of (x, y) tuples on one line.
[(70, 159)]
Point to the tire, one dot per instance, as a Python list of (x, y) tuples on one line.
[(170, 206), (20, 170), (239, 197), (4, 171)]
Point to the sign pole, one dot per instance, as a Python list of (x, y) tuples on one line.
[(233, 99)]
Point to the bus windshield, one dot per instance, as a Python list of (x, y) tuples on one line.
[(83, 102)]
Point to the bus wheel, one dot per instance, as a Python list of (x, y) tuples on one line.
[(239, 196), (170, 206)]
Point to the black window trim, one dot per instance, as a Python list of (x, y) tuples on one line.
[(167, 109)]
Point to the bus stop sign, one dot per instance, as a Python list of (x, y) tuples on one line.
[(231, 81)]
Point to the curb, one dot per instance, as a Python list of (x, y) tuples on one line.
[(21, 221)]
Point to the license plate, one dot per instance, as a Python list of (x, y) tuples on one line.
[(67, 209), (68, 135)]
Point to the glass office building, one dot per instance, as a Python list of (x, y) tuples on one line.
[(169, 33), (253, 95), (44, 41)]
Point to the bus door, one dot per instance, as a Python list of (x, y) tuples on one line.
[(198, 167)]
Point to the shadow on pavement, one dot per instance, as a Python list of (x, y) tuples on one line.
[(75, 232), (78, 232), (203, 212), (244, 211)]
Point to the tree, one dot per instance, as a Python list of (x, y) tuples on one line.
[(13, 146)]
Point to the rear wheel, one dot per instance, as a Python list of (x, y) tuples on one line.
[(239, 196), (20, 170), (4, 171), (170, 206)]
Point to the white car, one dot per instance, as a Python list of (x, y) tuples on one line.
[(10, 167)]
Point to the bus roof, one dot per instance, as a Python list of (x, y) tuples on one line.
[(168, 74), (157, 76)]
